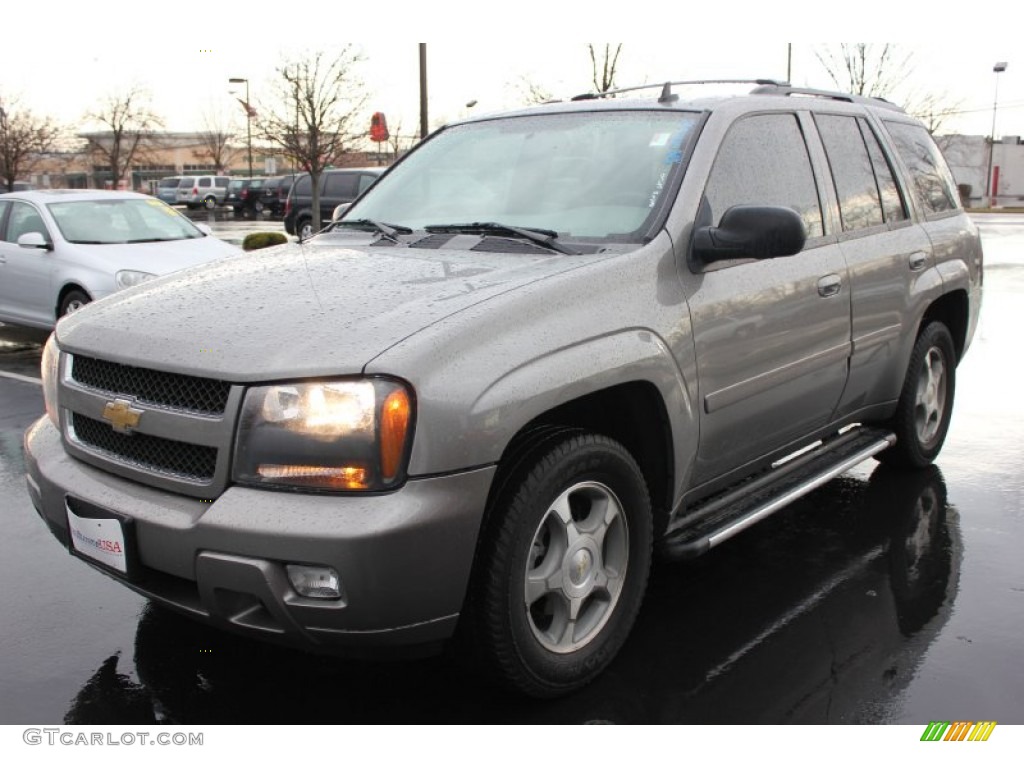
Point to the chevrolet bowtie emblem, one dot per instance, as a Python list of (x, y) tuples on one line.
[(122, 417)]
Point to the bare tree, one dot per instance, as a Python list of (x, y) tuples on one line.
[(866, 69), (532, 92), (313, 111), (215, 137), (23, 138), (884, 70), (128, 123), (399, 143), (604, 66)]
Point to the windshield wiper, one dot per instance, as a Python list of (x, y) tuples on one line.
[(390, 231), (152, 240), (545, 237)]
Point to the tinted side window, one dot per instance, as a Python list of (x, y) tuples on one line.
[(930, 176), (764, 161), (892, 200), (303, 186), (204, 182), (341, 185), (852, 174)]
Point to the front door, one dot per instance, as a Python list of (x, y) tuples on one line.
[(772, 337)]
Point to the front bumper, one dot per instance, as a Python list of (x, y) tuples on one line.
[(404, 557)]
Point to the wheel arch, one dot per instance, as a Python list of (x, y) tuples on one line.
[(952, 310), (633, 414)]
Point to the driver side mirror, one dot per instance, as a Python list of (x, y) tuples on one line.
[(751, 232), (34, 240)]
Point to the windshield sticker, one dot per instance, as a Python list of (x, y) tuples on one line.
[(163, 207), (656, 192), (675, 144), (659, 140)]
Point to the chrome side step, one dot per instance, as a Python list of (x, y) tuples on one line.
[(720, 518)]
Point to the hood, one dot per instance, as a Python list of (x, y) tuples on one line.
[(294, 311), (157, 258)]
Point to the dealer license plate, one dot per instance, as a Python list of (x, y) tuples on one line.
[(101, 539)]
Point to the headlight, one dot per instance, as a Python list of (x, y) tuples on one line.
[(49, 370), (343, 435), (126, 278)]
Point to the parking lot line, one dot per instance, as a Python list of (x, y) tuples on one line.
[(19, 377)]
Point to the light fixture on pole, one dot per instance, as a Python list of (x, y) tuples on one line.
[(1000, 66), (248, 117)]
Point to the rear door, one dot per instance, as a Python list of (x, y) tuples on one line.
[(885, 252), (772, 337)]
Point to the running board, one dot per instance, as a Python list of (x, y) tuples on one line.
[(720, 518)]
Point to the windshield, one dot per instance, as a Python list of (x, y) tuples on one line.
[(105, 222), (588, 175), (168, 183)]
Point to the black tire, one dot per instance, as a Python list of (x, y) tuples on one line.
[(536, 567), (72, 302), (304, 228), (926, 400), (210, 203)]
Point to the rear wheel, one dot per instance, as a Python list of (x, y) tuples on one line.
[(210, 203), (304, 228), (926, 400), (563, 567)]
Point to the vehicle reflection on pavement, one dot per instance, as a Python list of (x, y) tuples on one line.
[(822, 617)]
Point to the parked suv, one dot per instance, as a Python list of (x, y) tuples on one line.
[(275, 193), (337, 186), (203, 191), (544, 345), (245, 196)]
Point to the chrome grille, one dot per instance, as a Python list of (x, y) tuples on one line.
[(167, 390), (196, 463)]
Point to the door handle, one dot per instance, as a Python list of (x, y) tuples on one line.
[(917, 261), (829, 285)]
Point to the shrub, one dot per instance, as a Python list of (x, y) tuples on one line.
[(257, 240)]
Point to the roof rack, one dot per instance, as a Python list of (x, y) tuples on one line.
[(785, 89), (765, 87), (666, 88)]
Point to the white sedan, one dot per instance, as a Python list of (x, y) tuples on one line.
[(61, 249)]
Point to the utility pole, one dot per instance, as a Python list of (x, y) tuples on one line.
[(423, 90)]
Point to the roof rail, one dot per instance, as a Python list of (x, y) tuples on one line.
[(785, 89), (666, 88)]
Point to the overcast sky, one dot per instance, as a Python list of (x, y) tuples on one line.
[(66, 56)]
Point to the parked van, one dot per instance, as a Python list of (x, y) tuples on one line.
[(206, 191), (167, 189)]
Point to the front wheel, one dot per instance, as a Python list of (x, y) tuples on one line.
[(563, 567), (72, 302), (926, 400)]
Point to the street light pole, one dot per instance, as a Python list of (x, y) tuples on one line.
[(248, 117), (1000, 66)]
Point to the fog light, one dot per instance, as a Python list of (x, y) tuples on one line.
[(315, 581)]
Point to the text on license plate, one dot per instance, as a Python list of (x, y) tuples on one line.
[(100, 539)]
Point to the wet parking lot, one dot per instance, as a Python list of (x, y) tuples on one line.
[(884, 597)]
